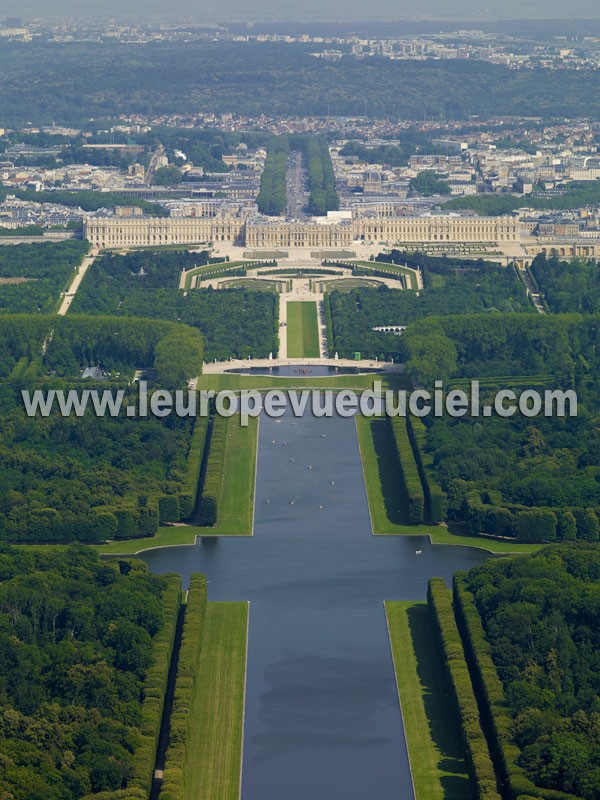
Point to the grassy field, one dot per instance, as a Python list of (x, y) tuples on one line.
[(302, 330), (236, 501), (236, 381), (432, 730), (383, 485), (393, 269), (350, 284), (214, 762), (212, 270), (250, 283)]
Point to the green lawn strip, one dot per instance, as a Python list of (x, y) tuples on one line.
[(214, 761), (236, 501), (432, 732), (393, 269), (384, 486), (302, 330), (349, 284), (235, 381), (221, 268), (168, 536), (249, 283)]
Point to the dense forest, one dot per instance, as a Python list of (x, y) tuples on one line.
[(561, 346), (117, 345), (534, 478), (119, 274), (32, 276), (540, 619), (45, 82), (568, 285), (79, 640), (235, 323), (82, 476), (87, 478), (354, 314)]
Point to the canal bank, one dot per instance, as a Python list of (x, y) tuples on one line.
[(322, 714)]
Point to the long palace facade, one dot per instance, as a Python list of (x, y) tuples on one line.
[(265, 232)]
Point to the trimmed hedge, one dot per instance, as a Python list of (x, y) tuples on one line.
[(490, 694), (435, 497), (168, 508), (155, 687), (329, 323), (410, 471), (122, 794), (189, 494), (173, 786), (481, 769), (486, 513), (213, 478)]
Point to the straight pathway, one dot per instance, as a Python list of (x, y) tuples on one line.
[(323, 347), (532, 291), (76, 282), (282, 325)]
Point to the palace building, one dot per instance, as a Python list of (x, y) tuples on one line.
[(256, 231)]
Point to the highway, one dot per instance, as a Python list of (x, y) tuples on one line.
[(152, 167)]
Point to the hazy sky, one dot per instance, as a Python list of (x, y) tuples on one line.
[(343, 10)]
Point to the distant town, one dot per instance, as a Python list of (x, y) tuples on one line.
[(535, 181), (518, 51)]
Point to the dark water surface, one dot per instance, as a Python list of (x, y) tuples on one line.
[(322, 714)]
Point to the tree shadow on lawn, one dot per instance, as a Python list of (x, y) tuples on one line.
[(390, 472), (439, 704)]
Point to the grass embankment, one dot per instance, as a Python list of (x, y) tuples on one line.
[(432, 732), (236, 504), (214, 761), (236, 497), (236, 381), (383, 483), (302, 330), (219, 269), (393, 270)]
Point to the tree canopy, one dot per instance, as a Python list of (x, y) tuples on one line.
[(540, 615)]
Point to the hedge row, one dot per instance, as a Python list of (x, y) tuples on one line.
[(435, 497), (188, 496), (410, 471), (481, 769), (213, 478), (134, 520), (490, 694), (329, 323), (155, 686), (122, 794), (537, 524), (173, 785)]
